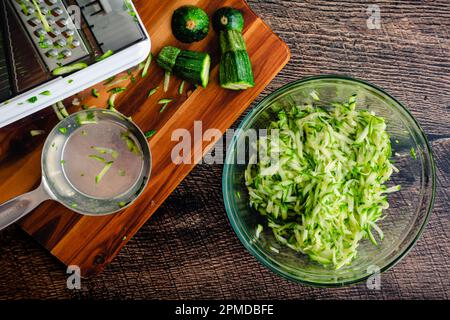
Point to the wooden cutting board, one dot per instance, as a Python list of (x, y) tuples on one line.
[(92, 242)]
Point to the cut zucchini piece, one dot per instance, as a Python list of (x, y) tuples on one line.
[(236, 71), (190, 24), (167, 58), (228, 18), (188, 65), (193, 67)]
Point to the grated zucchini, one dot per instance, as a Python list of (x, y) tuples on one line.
[(324, 189)]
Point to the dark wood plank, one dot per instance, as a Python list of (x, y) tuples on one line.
[(188, 249)]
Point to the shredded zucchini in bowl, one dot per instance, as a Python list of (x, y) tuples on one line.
[(320, 179)]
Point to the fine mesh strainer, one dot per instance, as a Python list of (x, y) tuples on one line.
[(95, 162)]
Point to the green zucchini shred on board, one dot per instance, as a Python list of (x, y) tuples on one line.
[(166, 84), (109, 80), (35, 133), (147, 65), (113, 82), (152, 91), (181, 88), (165, 100), (326, 189), (117, 90), (163, 108), (150, 133), (112, 101)]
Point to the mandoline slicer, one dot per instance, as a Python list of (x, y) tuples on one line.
[(39, 36)]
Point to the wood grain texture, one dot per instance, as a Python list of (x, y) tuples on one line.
[(92, 242), (188, 249)]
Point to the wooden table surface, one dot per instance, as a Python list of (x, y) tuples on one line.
[(188, 249)]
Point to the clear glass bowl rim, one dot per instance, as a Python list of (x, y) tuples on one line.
[(227, 166)]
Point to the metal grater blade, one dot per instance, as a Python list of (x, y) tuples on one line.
[(5, 85), (52, 31), (26, 67)]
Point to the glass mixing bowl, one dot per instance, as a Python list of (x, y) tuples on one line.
[(409, 209)]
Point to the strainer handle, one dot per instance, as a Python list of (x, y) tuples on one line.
[(14, 209)]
